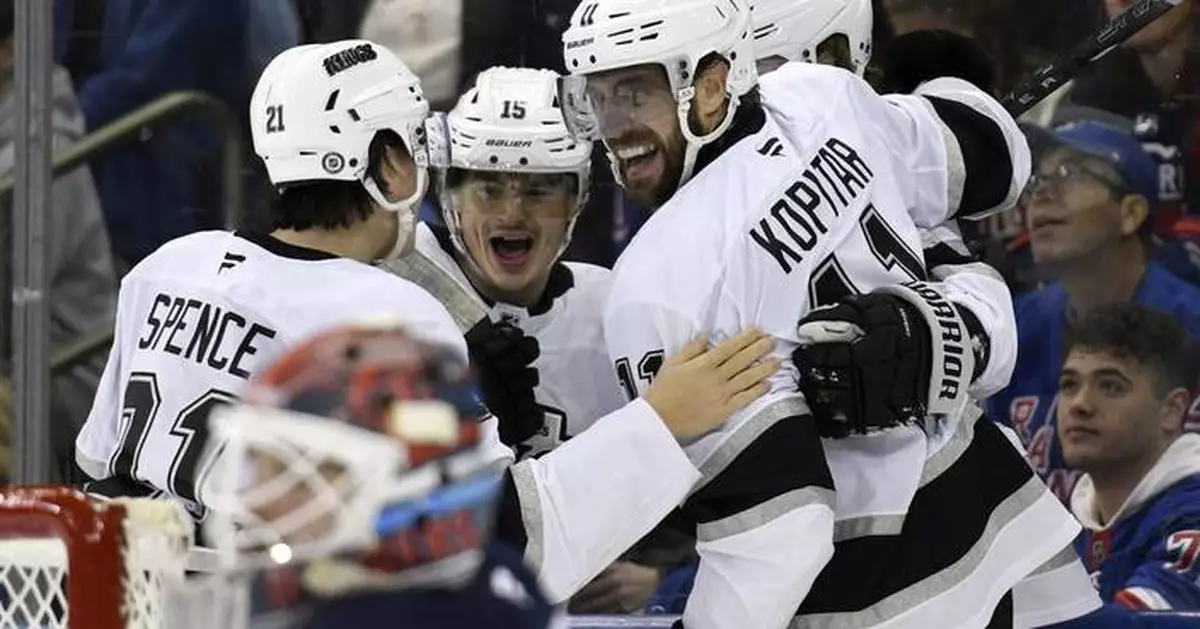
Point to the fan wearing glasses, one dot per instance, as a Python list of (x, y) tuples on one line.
[(1087, 208)]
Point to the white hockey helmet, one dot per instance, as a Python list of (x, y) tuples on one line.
[(317, 108), (793, 29), (676, 34), (511, 121)]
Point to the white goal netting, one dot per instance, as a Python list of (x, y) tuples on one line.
[(67, 562)]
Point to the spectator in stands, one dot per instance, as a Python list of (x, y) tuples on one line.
[(1087, 210), (82, 282), (1123, 392), (157, 188), (1153, 78)]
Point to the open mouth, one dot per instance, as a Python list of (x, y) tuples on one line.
[(637, 159), (511, 250)]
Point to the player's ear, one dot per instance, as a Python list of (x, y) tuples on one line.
[(708, 105), (392, 167)]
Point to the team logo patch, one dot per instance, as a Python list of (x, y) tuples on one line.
[(333, 163)]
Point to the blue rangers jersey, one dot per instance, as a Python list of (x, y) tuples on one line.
[(1147, 558), (1029, 402), (503, 595)]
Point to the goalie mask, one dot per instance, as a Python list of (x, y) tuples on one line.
[(317, 108), (633, 64), (356, 460), (512, 179)]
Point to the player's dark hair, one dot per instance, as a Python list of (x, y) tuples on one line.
[(1156, 340), (837, 46), (323, 204)]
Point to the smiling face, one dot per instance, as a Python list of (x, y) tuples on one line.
[(1076, 206), (1111, 412), (513, 226), (639, 122)]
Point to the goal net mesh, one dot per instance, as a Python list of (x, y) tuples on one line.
[(68, 562)]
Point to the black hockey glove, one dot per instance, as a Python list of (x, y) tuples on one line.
[(919, 56), (502, 357), (871, 362)]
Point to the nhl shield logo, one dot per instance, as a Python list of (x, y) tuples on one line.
[(333, 163)]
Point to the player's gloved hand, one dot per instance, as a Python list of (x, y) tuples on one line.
[(502, 357), (919, 56), (864, 364), (699, 388), (871, 362)]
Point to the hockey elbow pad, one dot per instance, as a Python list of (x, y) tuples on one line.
[(887, 358)]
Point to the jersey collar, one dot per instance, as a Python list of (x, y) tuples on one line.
[(283, 249), (747, 120)]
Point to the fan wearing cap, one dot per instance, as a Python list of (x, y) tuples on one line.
[(356, 486), (1087, 209)]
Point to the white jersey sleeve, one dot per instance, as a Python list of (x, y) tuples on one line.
[(100, 434), (609, 470), (968, 157), (972, 285), (961, 153)]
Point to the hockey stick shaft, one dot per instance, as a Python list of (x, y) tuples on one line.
[(463, 305), (1048, 79)]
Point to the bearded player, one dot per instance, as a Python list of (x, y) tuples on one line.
[(776, 198)]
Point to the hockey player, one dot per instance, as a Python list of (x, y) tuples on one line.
[(766, 192), (785, 32), (511, 189), (355, 487), (340, 128), (838, 33)]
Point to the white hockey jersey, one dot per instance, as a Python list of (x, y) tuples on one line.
[(576, 381), (570, 521), (804, 201), (197, 320)]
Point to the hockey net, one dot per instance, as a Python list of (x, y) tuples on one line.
[(69, 562)]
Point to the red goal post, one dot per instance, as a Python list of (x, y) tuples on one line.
[(70, 562)]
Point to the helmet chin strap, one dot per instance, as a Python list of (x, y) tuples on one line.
[(405, 210), (695, 142)]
